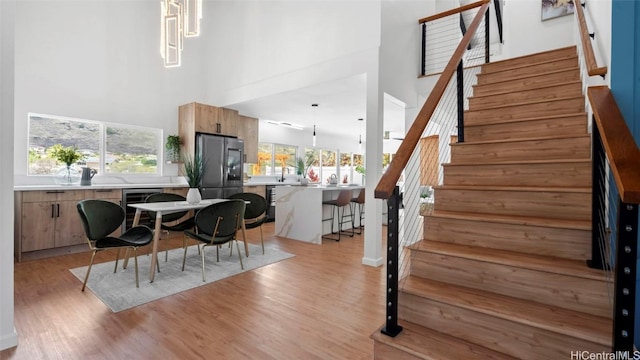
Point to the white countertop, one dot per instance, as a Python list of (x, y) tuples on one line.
[(95, 187)]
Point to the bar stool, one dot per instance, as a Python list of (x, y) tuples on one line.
[(358, 202), (344, 199)]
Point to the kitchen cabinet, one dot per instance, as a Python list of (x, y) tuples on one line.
[(196, 117), (248, 131), (49, 221), (256, 189)]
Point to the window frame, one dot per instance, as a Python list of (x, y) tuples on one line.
[(102, 148)]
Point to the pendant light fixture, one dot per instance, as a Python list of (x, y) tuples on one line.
[(178, 19), (315, 107), (360, 138)]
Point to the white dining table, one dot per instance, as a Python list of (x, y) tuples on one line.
[(168, 207)]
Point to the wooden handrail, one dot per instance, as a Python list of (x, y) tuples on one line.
[(390, 177), (590, 58), (452, 11), (621, 148)]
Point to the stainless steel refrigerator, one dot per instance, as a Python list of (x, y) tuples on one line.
[(223, 160)]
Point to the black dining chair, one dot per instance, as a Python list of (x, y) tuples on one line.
[(255, 213), (186, 224), (100, 218), (218, 224)]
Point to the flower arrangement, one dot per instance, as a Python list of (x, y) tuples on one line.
[(67, 155)]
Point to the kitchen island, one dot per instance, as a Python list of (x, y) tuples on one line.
[(300, 213)]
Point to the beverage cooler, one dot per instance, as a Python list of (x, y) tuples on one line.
[(271, 202)]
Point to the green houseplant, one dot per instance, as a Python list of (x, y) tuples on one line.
[(69, 156), (173, 147), (193, 171), (303, 167)]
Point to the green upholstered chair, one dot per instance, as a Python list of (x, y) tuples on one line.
[(100, 218), (218, 224), (186, 224), (256, 212)]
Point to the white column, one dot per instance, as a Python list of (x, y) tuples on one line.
[(373, 169), (8, 334)]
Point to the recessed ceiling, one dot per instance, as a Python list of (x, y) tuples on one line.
[(340, 104)]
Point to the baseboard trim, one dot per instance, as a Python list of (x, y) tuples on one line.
[(9, 341), (372, 262)]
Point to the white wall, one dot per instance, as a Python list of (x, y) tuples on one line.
[(525, 33), (98, 60), (8, 336), (258, 42)]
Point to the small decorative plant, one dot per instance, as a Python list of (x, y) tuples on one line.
[(173, 147), (304, 166), (193, 170), (67, 155), (360, 169)]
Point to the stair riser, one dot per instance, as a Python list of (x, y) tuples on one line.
[(564, 126), (529, 60), (527, 83), (514, 112), (560, 205), (569, 64), (546, 93), (563, 243), (514, 339), (569, 292), (560, 174), (548, 149)]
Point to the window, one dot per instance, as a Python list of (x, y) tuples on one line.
[(329, 165), (346, 168), (358, 163), (274, 158), (314, 171), (109, 148)]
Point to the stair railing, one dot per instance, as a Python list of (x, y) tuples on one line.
[(585, 49), (616, 197), (416, 167)]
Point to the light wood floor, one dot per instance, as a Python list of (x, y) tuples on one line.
[(321, 304)]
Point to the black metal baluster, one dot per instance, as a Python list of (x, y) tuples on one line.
[(391, 327), (460, 81)]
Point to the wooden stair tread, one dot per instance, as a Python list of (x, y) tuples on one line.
[(544, 86), (574, 189), (568, 322), (428, 344), (517, 120), (520, 139), (526, 102), (571, 49), (540, 263), (524, 66), (513, 220), (524, 77), (520, 162)]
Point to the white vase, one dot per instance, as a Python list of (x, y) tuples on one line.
[(304, 181), (193, 196)]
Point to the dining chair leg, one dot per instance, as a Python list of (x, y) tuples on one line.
[(239, 255), (261, 239), (86, 277), (203, 279), (135, 260), (115, 268), (184, 257)]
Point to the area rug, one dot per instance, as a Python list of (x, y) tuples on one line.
[(118, 291)]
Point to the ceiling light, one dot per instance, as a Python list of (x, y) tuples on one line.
[(315, 106), (360, 138), (178, 19)]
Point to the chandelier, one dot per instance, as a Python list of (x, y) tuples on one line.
[(179, 19)]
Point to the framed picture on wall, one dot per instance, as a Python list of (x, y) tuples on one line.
[(556, 8)]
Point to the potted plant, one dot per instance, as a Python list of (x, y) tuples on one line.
[(69, 156), (303, 168), (193, 171), (360, 170), (173, 147)]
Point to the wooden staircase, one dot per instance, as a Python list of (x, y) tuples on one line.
[(501, 271)]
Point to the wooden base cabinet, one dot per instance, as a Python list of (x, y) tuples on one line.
[(48, 224)]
